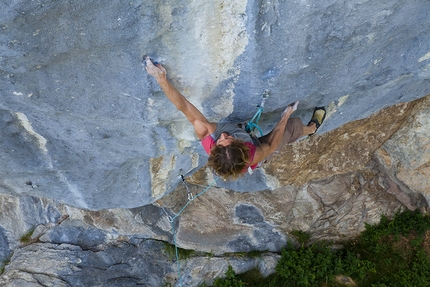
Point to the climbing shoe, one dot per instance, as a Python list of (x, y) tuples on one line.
[(318, 118)]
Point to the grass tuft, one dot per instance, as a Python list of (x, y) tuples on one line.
[(4, 263), (26, 237), (182, 253)]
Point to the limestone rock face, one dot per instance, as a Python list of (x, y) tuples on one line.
[(406, 155), (329, 209), (121, 247), (89, 142), (83, 123), (124, 245)]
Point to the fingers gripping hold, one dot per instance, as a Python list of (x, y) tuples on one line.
[(153, 68), (291, 108), (294, 105)]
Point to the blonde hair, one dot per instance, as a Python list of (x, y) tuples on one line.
[(229, 162)]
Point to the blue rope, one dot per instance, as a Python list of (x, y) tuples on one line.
[(172, 223), (253, 123)]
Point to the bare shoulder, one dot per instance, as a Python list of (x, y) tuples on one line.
[(204, 128)]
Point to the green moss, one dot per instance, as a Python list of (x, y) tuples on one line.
[(251, 254), (4, 263), (26, 238), (182, 253), (209, 254)]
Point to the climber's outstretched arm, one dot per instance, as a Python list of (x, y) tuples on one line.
[(201, 125)]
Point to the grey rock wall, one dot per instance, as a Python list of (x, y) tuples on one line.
[(141, 264), (125, 247), (70, 246), (405, 157), (88, 141), (82, 123)]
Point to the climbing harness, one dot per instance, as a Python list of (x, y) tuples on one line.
[(253, 123), (172, 219)]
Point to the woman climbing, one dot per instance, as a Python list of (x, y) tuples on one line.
[(232, 151)]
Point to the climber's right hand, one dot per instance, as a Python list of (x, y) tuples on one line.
[(157, 71)]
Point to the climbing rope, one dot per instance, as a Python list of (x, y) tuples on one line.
[(172, 219), (253, 123)]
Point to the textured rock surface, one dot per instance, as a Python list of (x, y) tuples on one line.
[(72, 247), (88, 141), (333, 209), (143, 263), (69, 244), (406, 156), (82, 123), (124, 245)]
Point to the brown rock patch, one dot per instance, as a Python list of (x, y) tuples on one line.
[(345, 149)]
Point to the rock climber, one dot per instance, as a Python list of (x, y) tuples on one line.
[(232, 151)]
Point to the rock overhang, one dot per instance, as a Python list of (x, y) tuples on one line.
[(86, 125)]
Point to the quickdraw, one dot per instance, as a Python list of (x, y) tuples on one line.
[(252, 125)]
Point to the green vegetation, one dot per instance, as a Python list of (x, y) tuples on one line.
[(301, 237), (182, 253), (250, 254), (26, 238), (393, 253), (230, 280), (209, 254), (398, 249), (3, 264)]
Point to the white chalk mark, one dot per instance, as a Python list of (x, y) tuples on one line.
[(128, 95), (342, 100), (77, 194), (425, 57), (25, 123)]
